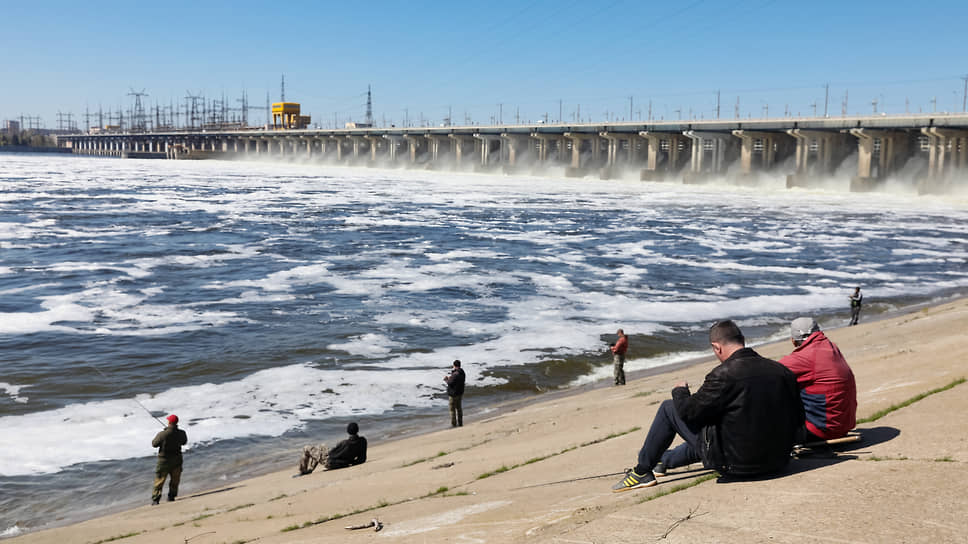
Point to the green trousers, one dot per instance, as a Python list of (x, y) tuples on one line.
[(167, 467)]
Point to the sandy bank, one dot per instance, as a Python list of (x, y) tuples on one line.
[(492, 480)]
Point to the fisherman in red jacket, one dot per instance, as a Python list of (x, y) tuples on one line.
[(618, 356), (827, 386)]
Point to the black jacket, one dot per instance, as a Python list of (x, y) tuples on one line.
[(455, 383), (351, 451), (169, 442), (749, 411)]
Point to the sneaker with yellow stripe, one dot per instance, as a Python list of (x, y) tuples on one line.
[(633, 480)]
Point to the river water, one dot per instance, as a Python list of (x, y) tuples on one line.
[(269, 304)]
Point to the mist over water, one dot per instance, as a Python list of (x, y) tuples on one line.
[(268, 304)]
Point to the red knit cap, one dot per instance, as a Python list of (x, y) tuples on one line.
[(173, 419)]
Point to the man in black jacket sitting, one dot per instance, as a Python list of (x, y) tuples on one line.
[(742, 421), (347, 453)]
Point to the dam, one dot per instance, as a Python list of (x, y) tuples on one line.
[(808, 148)]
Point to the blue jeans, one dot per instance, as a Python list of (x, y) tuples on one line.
[(666, 425)]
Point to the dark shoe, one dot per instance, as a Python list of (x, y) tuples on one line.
[(633, 481), (171, 498), (155, 501), (659, 470)]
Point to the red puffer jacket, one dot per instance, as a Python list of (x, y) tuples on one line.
[(827, 386)]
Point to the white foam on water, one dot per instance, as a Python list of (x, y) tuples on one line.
[(11, 531), (31, 322), (369, 344), (636, 364), (283, 280), (25, 288), (266, 403), (13, 391), (565, 299)]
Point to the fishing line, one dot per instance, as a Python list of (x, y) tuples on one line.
[(98, 370), (573, 480)]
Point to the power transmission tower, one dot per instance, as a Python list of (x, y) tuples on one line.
[(138, 121), (191, 108), (369, 107), (245, 108), (964, 94), (826, 98)]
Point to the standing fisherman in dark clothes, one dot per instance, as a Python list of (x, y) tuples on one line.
[(455, 390), (855, 301), (169, 443)]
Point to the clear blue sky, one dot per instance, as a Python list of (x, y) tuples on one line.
[(486, 59)]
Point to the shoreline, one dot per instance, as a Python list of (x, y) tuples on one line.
[(394, 436)]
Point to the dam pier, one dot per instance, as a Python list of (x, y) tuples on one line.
[(933, 148)]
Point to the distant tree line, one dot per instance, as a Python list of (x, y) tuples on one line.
[(27, 138)]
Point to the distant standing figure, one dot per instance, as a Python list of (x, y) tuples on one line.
[(827, 386), (618, 356), (855, 301), (169, 443), (349, 452), (455, 391)]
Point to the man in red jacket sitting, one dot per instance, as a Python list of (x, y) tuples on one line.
[(827, 386)]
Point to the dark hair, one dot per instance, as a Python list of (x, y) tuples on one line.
[(726, 332), (352, 428), (457, 363)]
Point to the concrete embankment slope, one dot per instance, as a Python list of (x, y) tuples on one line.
[(494, 479)]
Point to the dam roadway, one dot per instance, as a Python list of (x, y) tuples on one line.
[(686, 151)]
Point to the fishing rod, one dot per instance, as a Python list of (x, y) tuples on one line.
[(574, 479), (98, 370)]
